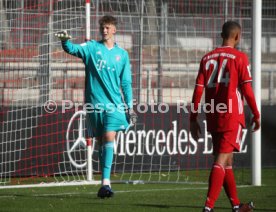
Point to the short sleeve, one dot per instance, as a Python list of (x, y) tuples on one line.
[(244, 70)]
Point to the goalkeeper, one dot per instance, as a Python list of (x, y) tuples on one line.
[(107, 73)]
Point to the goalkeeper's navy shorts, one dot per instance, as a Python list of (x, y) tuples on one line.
[(100, 122)]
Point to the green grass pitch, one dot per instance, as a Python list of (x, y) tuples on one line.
[(187, 197)]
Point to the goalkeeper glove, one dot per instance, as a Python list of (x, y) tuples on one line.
[(63, 35), (132, 116)]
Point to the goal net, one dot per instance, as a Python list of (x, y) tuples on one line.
[(41, 120)]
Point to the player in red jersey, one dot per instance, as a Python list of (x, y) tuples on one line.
[(224, 73)]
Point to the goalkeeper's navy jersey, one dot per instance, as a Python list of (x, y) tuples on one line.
[(107, 71)]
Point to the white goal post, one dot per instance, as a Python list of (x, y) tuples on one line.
[(256, 66)]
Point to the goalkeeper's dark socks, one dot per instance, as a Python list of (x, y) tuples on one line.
[(216, 179), (230, 186)]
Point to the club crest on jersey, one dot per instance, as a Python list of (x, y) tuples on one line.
[(118, 57)]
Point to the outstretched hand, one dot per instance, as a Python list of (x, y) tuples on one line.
[(195, 130), (63, 35)]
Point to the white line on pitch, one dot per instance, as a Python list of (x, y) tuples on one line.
[(118, 191)]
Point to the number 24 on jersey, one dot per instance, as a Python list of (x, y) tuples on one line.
[(221, 78)]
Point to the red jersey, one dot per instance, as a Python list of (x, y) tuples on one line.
[(222, 72)]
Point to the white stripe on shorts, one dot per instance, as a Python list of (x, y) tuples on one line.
[(238, 139)]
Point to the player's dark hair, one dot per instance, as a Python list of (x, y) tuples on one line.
[(108, 19), (229, 27)]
